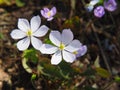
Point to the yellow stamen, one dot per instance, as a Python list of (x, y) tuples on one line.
[(109, 5), (62, 46), (49, 14), (29, 32), (75, 52)]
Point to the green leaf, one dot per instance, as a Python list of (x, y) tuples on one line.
[(31, 54), (102, 72), (25, 66), (19, 3), (5, 2), (48, 41), (1, 1), (50, 70), (90, 73), (33, 77), (97, 62), (61, 71), (117, 79), (66, 76), (100, 2), (40, 71), (1, 36)]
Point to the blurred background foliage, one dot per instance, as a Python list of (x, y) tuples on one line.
[(19, 3), (98, 69)]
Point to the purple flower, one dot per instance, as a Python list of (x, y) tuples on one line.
[(99, 11), (110, 5), (48, 14), (81, 51)]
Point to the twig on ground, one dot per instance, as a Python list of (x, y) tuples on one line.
[(102, 52)]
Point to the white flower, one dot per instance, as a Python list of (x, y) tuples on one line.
[(94, 2), (64, 46), (91, 5), (28, 32)]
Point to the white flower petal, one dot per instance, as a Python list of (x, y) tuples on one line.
[(55, 37), (56, 58), (23, 44), (73, 46), (68, 57), (89, 8), (17, 34), (93, 2), (67, 36), (35, 23), (41, 31), (36, 43), (49, 19), (23, 24), (48, 49)]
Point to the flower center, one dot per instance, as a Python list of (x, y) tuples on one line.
[(29, 32), (49, 14), (110, 5), (75, 52), (62, 46)]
